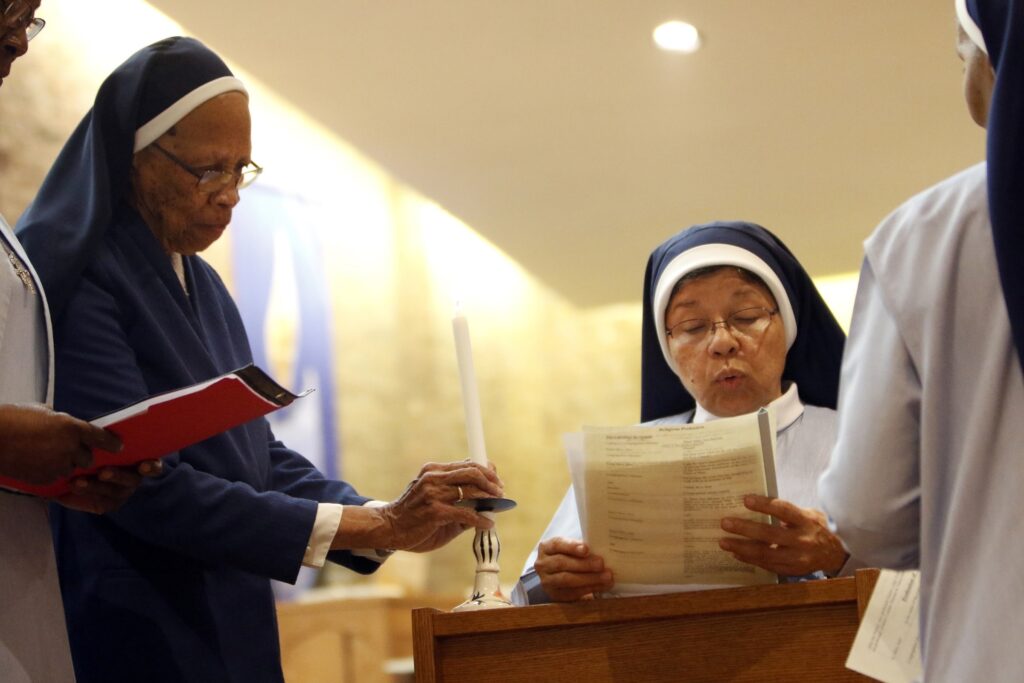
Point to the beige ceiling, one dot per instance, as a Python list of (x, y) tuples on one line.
[(559, 132)]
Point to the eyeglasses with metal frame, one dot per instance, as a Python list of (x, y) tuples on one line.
[(215, 180), (750, 323), (18, 16)]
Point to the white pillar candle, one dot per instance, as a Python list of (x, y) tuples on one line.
[(470, 398)]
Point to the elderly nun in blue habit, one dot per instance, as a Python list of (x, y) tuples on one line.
[(175, 586), (731, 323), (927, 472)]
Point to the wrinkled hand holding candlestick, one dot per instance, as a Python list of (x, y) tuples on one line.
[(486, 546)]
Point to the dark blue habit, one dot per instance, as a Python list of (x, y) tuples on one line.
[(175, 585), (814, 360), (1002, 26)]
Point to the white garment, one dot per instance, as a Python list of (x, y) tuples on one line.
[(804, 438), (929, 465), (33, 637)]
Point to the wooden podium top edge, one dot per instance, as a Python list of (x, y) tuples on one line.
[(617, 610)]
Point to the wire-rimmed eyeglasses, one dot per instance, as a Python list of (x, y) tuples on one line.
[(749, 323), (214, 180), (17, 16)]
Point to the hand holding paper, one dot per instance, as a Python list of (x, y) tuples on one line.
[(568, 571), (653, 498), (802, 544)]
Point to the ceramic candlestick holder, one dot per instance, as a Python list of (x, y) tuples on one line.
[(487, 549)]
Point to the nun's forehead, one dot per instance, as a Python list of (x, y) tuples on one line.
[(708, 271)]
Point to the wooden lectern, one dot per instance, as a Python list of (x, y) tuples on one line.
[(794, 632)]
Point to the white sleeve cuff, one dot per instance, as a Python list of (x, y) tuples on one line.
[(325, 528)]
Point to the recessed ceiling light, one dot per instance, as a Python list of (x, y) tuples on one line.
[(677, 36)]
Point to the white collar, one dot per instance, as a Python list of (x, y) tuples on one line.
[(178, 264), (788, 408)]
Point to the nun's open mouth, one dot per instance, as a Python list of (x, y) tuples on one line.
[(729, 377)]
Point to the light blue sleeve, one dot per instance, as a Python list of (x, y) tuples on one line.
[(871, 489)]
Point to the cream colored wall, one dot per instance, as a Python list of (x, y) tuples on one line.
[(396, 263)]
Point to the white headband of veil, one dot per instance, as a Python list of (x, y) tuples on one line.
[(970, 28), (162, 122)]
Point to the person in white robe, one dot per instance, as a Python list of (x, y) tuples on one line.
[(732, 323), (37, 446), (927, 472)]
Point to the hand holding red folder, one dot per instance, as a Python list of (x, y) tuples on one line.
[(165, 423), (40, 445), (105, 491)]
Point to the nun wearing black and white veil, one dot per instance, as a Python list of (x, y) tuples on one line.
[(793, 367), (175, 585), (927, 472)]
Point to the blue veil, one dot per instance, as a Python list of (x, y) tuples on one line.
[(89, 182), (816, 351), (1001, 23)]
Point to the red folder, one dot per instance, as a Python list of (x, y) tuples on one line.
[(165, 423)]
